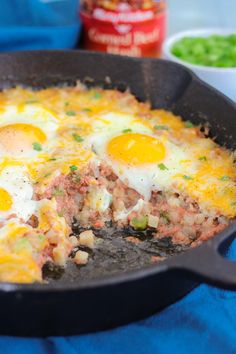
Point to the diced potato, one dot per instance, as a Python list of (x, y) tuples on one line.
[(81, 257), (153, 221), (87, 238), (74, 241), (59, 255)]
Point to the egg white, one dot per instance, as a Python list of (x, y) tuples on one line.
[(15, 181), (111, 123)]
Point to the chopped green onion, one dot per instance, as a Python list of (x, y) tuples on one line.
[(189, 124), (57, 192), (77, 178), (41, 237), (66, 104), (127, 130), (234, 203), (224, 178), (87, 110), (77, 138), (162, 167), (165, 216), (161, 127), (187, 177), (70, 113), (31, 101), (23, 243), (212, 51), (202, 158), (139, 223), (37, 146), (97, 95), (52, 159), (47, 175), (73, 168)]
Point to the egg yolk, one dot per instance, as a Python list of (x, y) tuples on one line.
[(5, 200), (136, 149), (17, 138)]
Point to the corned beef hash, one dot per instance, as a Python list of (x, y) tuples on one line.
[(99, 156)]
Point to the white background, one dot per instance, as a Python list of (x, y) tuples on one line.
[(189, 14)]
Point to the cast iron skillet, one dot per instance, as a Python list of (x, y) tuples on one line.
[(118, 285)]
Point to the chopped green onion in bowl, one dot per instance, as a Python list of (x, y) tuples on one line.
[(213, 51), (209, 53)]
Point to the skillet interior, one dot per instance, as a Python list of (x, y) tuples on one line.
[(166, 85), (114, 255)]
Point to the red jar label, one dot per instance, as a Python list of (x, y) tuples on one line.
[(127, 32)]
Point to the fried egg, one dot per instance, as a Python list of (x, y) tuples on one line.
[(174, 158), (26, 131), (143, 161)]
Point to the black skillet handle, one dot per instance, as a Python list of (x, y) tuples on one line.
[(205, 263)]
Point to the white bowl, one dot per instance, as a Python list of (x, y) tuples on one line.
[(224, 79)]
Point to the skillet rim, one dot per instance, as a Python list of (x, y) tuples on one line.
[(131, 59), (131, 275)]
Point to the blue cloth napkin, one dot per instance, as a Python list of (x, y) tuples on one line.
[(38, 24), (202, 322)]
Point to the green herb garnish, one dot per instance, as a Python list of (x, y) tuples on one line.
[(57, 192), (41, 237), (31, 101), (47, 175), (234, 203), (187, 177), (73, 168), (70, 113), (139, 223), (162, 167), (202, 158), (87, 110), (37, 146), (161, 127), (23, 243), (189, 124), (224, 178), (165, 216), (52, 159), (77, 137), (127, 130), (76, 178), (66, 104), (97, 95)]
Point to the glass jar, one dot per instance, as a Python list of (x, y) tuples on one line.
[(127, 27)]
